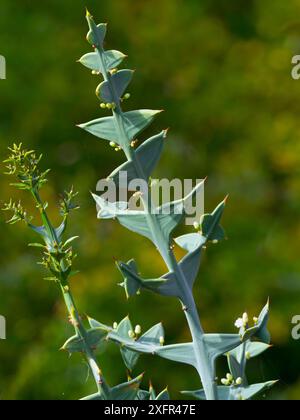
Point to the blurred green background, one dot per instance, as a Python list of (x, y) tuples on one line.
[(222, 71)]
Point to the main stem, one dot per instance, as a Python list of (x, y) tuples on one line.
[(187, 300), (70, 303)]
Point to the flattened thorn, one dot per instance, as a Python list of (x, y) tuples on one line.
[(185, 308), (226, 198)]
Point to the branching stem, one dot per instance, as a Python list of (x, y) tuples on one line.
[(72, 310), (187, 298)]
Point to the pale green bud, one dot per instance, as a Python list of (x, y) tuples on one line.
[(196, 225), (131, 334), (245, 318), (224, 382), (138, 330)]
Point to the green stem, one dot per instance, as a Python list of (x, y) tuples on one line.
[(188, 302), (244, 364), (82, 333), (44, 216)]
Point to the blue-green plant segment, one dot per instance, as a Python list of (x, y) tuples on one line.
[(121, 130)]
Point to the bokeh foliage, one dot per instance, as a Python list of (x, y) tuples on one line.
[(221, 70)]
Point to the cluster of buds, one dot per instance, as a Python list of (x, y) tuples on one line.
[(112, 105), (59, 261), (135, 334), (66, 202), (244, 321), (229, 381), (24, 165), (109, 105), (19, 213), (115, 146)]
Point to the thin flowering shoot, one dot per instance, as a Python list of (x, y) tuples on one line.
[(67, 202), (122, 131)]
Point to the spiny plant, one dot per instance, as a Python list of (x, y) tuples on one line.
[(121, 130), (58, 260)]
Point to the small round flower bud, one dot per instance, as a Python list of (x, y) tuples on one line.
[(134, 143), (131, 334), (248, 355), (115, 325), (103, 105), (127, 96), (245, 318), (112, 144), (239, 381), (255, 320), (138, 330), (229, 377), (196, 225), (109, 106), (224, 382), (161, 340)]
